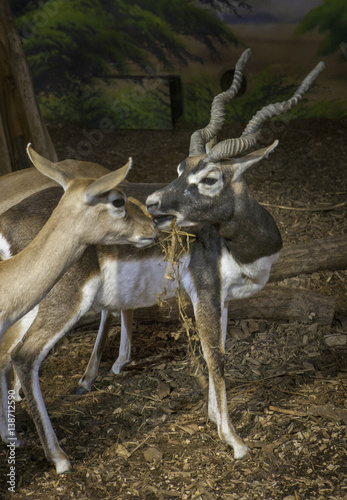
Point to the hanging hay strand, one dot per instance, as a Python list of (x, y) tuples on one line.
[(175, 244)]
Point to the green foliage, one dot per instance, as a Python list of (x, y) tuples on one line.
[(141, 109), (69, 40), (266, 88), (82, 104), (329, 18), (198, 97), (134, 107), (329, 109)]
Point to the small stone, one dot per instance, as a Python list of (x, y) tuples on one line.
[(153, 455), (335, 340), (121, 451)]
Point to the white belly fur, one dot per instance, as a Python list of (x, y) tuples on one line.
[(131, 284)]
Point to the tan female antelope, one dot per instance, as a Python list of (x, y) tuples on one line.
[(90, 212), (236, 242)]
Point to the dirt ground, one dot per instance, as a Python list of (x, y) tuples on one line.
[(144, 433)]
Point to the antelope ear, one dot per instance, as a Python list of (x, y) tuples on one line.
[(107, 182), (240, 165), (48, 168)]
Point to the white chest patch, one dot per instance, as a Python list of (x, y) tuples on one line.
[(243, 280), (5, 248)]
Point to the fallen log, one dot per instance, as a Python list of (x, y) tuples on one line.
[(325, 254), (272, 303), (285, 303)]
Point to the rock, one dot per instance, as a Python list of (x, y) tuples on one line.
[(152, 454), (336, 340)]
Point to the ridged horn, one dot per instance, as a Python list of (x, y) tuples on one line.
[(232, 147), (201, 137)]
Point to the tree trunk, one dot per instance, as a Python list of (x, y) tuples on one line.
[(20, 118)]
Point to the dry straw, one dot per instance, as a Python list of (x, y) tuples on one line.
[(175, 245)]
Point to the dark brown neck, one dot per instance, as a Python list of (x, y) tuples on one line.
[(251, 233)]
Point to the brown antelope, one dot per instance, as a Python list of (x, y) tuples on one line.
[(236, 242), (89, 213), (19, 185)]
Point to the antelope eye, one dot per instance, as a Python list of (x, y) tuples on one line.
[(118, 203), (208, 181)]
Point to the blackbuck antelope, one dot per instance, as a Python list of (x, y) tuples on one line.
[(90, 212), (236, 241)]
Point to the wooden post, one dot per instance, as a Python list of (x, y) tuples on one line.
[(20, 117)]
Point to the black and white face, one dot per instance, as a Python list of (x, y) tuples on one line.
[(200, 195), (205, 191)]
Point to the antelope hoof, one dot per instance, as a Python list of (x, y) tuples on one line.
[(118, 366), (20, 443), (81, 391), (241, 451), (13, 440), (62, 466)]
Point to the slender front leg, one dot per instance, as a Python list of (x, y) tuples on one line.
[(206, 296), (28, 373), (209, 324), (212, 402), (27, 357), (49, 327), (91, 372), (124, 355), (10, 339), (4, 404)]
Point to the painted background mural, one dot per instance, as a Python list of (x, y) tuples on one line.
[(146, 64)]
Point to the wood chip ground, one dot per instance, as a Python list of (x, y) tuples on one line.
[(144, 433)]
